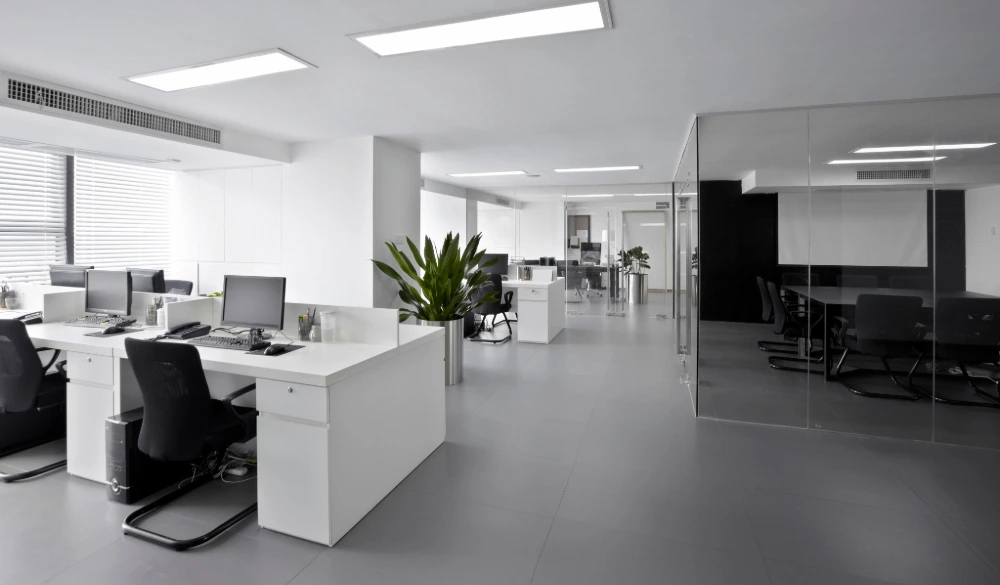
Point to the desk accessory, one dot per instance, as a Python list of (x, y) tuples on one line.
[(306, 324)]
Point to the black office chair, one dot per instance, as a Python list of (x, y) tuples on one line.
[(886, 326), (532, 262), (800, 279), (32, 403), (491, 310), (857, 280), (794, 323), (968, 333), (179, 287), (767, 316), (182, 423), (911, 282)]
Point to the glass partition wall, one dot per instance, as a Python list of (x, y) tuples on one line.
[(847, 268)]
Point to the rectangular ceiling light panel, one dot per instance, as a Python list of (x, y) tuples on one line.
[(566, 18), (488, 174), (921, 148), (599, 169), (222, 71), (885, 161)]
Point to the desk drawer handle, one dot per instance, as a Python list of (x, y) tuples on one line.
[(289, 389)]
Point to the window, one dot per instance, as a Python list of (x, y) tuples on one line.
[(32, 214), (121, 215)]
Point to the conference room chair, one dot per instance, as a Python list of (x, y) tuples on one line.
[(767, 316), (857, 280), (800, 279), (911, 282), (179, 287), (794, 324), (501, 307), (32, 401), (886, 327), (182, 423), (967, 333)]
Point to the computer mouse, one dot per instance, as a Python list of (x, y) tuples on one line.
[(113, 329), (274, 350)]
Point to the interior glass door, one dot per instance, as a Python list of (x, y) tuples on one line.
[(591, 276)]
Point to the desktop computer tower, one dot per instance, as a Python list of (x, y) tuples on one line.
[(131, 474)]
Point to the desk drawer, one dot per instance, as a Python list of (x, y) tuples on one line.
[(533, 294), (87, 368), (293, 400)]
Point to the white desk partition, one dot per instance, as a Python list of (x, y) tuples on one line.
[(354, 324), (57, 303), (200, 309), (543, 274)]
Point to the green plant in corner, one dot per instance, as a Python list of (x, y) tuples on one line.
[(633, 261), (448, 281)]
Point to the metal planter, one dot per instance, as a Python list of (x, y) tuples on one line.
[(453, 339)]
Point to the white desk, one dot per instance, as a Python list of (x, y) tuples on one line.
[(340, 424), (541, 309)]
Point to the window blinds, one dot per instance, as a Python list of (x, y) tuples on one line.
[(32, 214), (121, 215)]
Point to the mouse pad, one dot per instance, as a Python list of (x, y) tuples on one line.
[(288, 349)]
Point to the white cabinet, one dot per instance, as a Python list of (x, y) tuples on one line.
[(86, 409), (541, 310)]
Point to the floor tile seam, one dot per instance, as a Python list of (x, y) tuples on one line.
[(968, 544), (119, 538)]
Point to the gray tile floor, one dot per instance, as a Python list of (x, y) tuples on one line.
[(574, 463)]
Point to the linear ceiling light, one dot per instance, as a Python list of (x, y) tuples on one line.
[(599, 169), (652, 224), (488, 174), (222, 71), (575, 17), (882, 161), (928, 147), (585, 196)]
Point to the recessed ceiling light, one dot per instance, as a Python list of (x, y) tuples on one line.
[(222, 71), (488, 28), (599, 169), (651, 195), (878, 161), (874, 149), (585, 196), (652, 224), (488, 174)]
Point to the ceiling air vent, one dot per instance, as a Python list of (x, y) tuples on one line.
[(49, 98), (504, 202), (894, 175)]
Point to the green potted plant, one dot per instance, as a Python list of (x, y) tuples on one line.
[(441, 286), (633, 263)]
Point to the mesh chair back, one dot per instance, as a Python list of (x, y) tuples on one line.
[(780, 313), (767, 308), (884, 322), (496, 284), (20, 368), (179, 287), (968, 330), (911, 282), (799, 279), (857, 280), (177, 403)]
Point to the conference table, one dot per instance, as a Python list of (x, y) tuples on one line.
[(833, 300)]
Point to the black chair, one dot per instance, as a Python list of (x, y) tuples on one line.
[(886, 327), (968, 333), (794, 323), (800, 279), (767, 316), (532, 262), (857, 280), (32, 403), (182, 423), (911, 282), (500, 307), (179, 287)]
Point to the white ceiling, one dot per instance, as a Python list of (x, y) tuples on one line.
[(624, 96)]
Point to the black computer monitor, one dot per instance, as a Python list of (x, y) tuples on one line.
[(590, 252), (109, 292), (257, 302), (148, 280), (68, 275), (499, 268)]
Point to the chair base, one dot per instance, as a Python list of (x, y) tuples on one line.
[(911, 395), (774, 362), (12, 477), (482, 327), (994, 401), (788, 347), (173, 543)]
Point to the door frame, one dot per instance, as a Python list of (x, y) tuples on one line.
[(667, 275)]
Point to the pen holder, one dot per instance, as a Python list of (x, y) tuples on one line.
[(305, 328)]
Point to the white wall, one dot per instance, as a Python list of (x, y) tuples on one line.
[(982, 244), (440, 214), (499, 228), (541, 228), (397, 212)]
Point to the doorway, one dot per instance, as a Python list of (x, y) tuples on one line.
[(649, 230)]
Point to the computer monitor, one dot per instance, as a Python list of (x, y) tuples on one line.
[(499, 268), (148, 280), (109, 292), (590, 252), (257, 302), (68, 275)]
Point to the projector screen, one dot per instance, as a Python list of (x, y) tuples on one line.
[(853, 228)]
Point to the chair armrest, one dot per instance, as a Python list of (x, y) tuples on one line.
[(61, 367), (228, 399), (55, 356)]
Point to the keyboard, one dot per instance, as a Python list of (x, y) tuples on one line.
[(100, 321), (221, 342)]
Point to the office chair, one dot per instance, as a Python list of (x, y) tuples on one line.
[(182, 423), (967, 332), (793, 324), (492, 309), (532, 262), (767, 316), (886, 326), (857, 280), (32, 404), (179, 287), (911, 282), (800, 279)]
